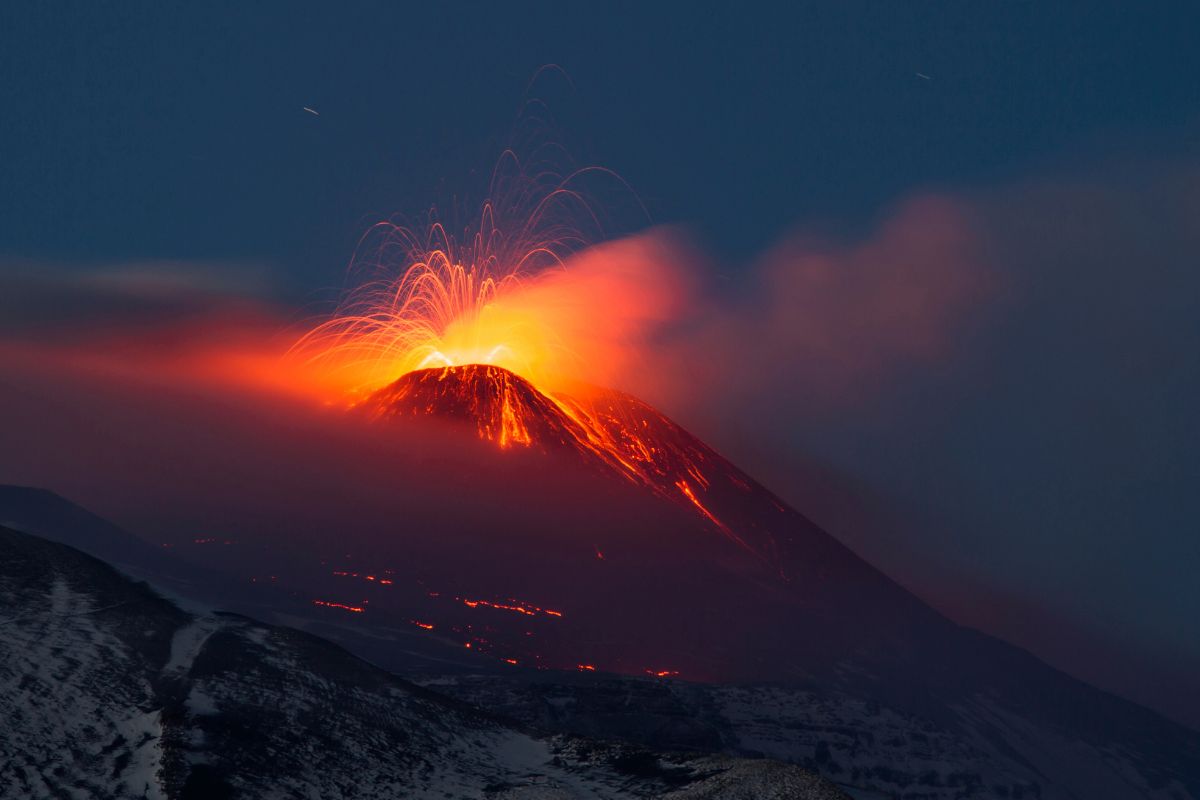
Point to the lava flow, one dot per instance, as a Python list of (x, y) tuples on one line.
[(606, 427)]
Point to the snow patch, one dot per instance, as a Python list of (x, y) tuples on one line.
[(188, 641), (201, 704)]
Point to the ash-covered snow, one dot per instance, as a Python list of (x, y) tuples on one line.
[(867, 748), (108, 690)]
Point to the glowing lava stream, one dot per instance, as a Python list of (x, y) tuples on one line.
[(610, 428), (343, 606)]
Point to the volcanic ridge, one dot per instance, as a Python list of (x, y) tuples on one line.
[(606, 428)]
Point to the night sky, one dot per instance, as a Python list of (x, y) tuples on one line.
[(1036, 473)]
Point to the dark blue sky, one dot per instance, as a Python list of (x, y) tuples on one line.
[(176, 131), (1052, 472)]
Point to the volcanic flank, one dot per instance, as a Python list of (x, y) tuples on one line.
[(741, 560), (573, 556), (503, 407), (605, 428)]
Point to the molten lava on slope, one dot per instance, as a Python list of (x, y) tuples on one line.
[(608, 429), (502, 406)]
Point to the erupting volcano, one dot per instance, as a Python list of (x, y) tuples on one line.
[(666, 558), (475, 329)]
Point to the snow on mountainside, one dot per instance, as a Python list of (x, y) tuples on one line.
[(881, 697), (869, 749), (108, 690)]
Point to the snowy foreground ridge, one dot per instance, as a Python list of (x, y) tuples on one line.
[(108, 690)]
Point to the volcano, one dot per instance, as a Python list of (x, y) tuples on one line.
[(583, 563), (687, 566), (676, 563), (606, 430), (502, 406)]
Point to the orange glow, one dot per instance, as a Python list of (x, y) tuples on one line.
[(605, 426), (429, 299), (341, 573), (691, 496), (423, 625), (663, 673), (585, 667), (344, 607), (512, 605)]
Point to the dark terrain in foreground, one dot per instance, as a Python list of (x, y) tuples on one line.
[(1068, 741), (108, 690)]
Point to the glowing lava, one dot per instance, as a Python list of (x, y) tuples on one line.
[(342, 606), (608, 428), (504, 408)]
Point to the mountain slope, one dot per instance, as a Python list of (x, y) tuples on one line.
[(754, 591), (501, 406), (108, 690), (518, 561), (601, 428), (863, 745), (42, 512)]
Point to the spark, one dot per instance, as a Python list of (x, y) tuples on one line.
[(923, 76), (428, 298), (381, 581), (312, 111)]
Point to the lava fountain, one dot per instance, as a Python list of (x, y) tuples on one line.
[(430, 299)]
